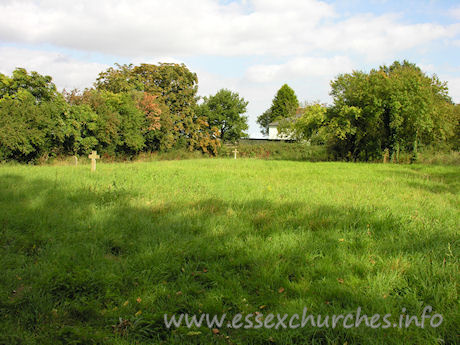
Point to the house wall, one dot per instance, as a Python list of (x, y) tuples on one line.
[(274, 135), (273, 132)]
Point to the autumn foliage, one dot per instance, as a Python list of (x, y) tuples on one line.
[(149, 105), (130, 109)]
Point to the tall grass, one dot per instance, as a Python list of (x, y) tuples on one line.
[(275, 150), (99, 258), (278, 151), (439, 157)]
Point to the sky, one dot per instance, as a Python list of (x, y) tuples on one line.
[(251, 47)]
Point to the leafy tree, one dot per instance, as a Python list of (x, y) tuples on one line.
[(203, 136), (33, 121), (173, 85), (39, 86), (284, 105), (264, 120), (82, 137), (132, 124), (21, 127), (454, 139), (158, 128), (29, 130), (224, 111), (356, 117), (309, 126), (115, 122), (395, 108), (119, 79)]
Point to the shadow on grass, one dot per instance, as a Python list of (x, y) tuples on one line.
[(92, 265), (438, 182)]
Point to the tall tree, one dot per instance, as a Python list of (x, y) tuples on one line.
[(395, 108), (158, 129), (33, 117), (120, 78), (264, 120), (39, 86), (454, 140), (284, 105), (113, 122), (173, 85), (225, 110), (308, 126)]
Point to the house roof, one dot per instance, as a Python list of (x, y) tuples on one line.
[(298, 113)]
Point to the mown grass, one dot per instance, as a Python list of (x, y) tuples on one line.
[(99, 258)]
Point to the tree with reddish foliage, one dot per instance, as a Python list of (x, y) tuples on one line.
[(151, 108), (174, 87)]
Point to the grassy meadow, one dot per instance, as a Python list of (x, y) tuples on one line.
[(99, 258)]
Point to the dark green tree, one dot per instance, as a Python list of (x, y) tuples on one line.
[(308, 126), (284, 105), (39, 86), (81, 138), (454, 140), (33, 117), (393, 108), (30, 130), (225, 110), (111, 122), (264, 120), (22, 129)]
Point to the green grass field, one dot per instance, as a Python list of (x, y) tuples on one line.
[(100, 258)]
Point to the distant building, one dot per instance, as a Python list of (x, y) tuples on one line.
[(273, 132), (273, 127)]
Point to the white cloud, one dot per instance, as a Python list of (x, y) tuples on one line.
[(309, 40), (382, 36), (309, 77), (182, 27), (156, 60), (300, 67), (66, 71), (427, 68), (258, 95), (454, 88), (455, 12)]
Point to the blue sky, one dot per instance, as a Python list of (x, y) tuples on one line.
[(249, 46)]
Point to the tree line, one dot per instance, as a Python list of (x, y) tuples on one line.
[(149, 108), (392, 109), (130, 109)]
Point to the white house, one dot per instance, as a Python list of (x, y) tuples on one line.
[(273, 132), (273, 127)]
